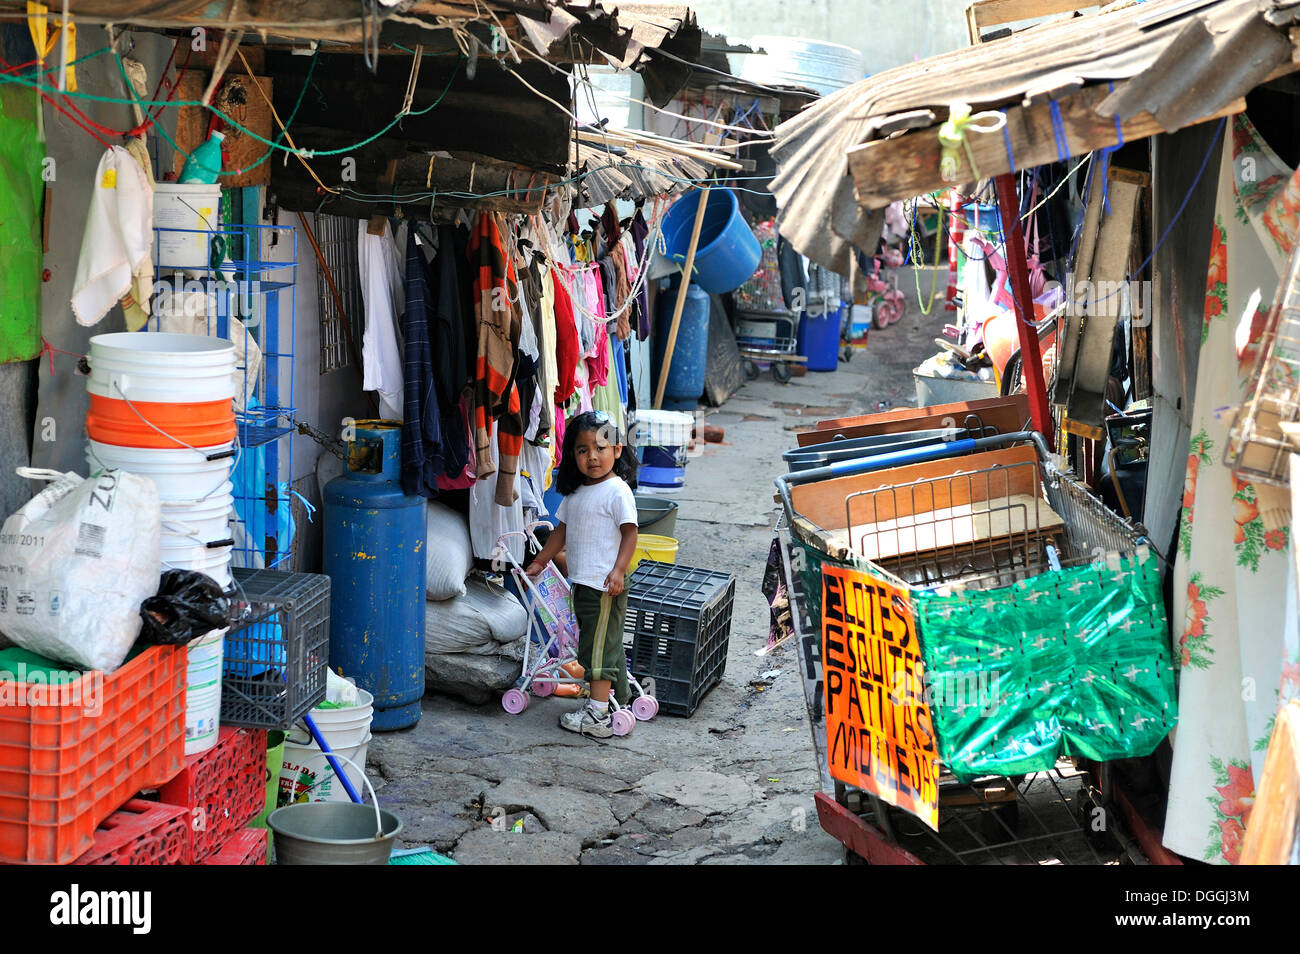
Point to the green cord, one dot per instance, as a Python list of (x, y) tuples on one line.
[(24, 80)]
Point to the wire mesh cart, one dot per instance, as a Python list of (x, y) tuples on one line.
[(1043, 638), (768, 338)]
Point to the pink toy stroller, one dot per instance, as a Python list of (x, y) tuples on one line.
[(552, 642)]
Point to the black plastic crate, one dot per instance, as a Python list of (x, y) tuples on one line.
[(677, 630), (275, 661)]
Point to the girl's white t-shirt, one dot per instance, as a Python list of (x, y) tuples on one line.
[(592, 516)]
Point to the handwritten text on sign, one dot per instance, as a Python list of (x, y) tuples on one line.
[(879, 733)]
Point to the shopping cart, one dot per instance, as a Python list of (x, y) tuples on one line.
[(768, 339), (953, 525), (550, 651)]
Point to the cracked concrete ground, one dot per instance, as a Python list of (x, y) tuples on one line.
[(732, 784)]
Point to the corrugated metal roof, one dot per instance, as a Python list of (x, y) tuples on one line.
[(1181, 60)]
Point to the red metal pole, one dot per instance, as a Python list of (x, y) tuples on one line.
[(1031, 358)]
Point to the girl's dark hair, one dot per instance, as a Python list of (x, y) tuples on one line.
[(568, 478)]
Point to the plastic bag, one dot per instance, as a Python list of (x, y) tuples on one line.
[(76, 562), (188, 605)]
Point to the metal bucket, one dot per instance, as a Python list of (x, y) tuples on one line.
[(656, 515), (333, 833)]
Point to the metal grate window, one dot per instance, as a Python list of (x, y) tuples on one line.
[(337, 236)]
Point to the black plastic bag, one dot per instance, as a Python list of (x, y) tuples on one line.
[(188, 605)]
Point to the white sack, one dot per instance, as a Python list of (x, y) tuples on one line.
[(76, 562), (483, 621), (448, 557)]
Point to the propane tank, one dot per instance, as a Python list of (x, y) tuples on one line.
[(374, 557)]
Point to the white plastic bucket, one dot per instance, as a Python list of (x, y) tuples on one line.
[(203, 692), (180, 474), (162, 368), (199, 522), (306, 774), (215, 563), (188, 205)]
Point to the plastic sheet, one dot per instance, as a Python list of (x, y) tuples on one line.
[(1075, 662)]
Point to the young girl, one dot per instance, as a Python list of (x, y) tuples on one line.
[(597, 530)]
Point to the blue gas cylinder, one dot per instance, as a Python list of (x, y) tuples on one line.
[(690, 353), (374, 557)]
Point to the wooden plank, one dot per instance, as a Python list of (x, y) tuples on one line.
[(1271, 834), (1004, 414), (904, 413), (822, 503), (884, 170), (238, 98), (994, 12)]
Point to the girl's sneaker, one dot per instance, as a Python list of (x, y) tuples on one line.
[(585, 722)]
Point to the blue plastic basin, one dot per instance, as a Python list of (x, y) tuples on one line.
[(727, 253)]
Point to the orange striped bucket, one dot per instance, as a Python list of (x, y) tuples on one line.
[(201, 424)]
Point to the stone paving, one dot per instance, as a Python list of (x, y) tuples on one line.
[(733, 783)]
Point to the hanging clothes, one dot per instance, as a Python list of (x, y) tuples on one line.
[(547, 343), (115, 261), (383, 296), (422, 462), (1239, 642), (606, 396), (568, 351), (495, 395), (640, 236), (458, 434), (488, 517)]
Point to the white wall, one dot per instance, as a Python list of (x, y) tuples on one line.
[(887, 33)]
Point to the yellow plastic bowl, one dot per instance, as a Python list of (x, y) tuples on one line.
[(651, 546)]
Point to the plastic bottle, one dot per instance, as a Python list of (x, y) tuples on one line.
[(204, 163)]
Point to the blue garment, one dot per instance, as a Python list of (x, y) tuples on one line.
[(422, 461), (618, 359)]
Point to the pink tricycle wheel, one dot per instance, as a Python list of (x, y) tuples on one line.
[(644, 708), (622, 722), (542, 688), (514, 701)]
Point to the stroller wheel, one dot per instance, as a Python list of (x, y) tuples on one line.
[(514, 701), (645, 708), (542, 688), (622, 722)]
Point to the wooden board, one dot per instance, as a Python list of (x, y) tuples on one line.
[(1006, 414), (883, 170), (982, 522), (822, 503), (995, 12), (901, 413), (1271, 835), (239, 151)]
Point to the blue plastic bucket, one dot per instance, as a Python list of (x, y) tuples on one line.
[(727, 253), (821, 339)]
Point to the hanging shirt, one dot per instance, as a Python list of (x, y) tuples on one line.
[(422, 462), (567, 349), (383, 298), (495, 395), (640, 235)]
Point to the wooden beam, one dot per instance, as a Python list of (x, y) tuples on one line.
[(884, 170), (994, 12)]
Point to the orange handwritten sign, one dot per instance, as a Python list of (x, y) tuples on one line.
[(879, 733)]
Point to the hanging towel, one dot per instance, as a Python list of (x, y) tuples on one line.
[(116, 246), (383, 297)]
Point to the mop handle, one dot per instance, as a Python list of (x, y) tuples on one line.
[(329, 755)]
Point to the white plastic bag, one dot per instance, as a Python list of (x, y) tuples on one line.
[(76, 562), (447, 554)]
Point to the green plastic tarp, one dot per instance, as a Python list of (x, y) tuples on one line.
[(22, 198)]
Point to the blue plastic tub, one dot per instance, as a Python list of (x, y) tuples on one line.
[(727, 253), (820, 339)]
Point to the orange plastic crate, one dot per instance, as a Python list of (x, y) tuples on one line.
[(66, 768), (223, 789)]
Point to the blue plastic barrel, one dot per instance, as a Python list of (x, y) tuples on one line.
[(727, 253), (690, 354), (820, 339), (374, 557)]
